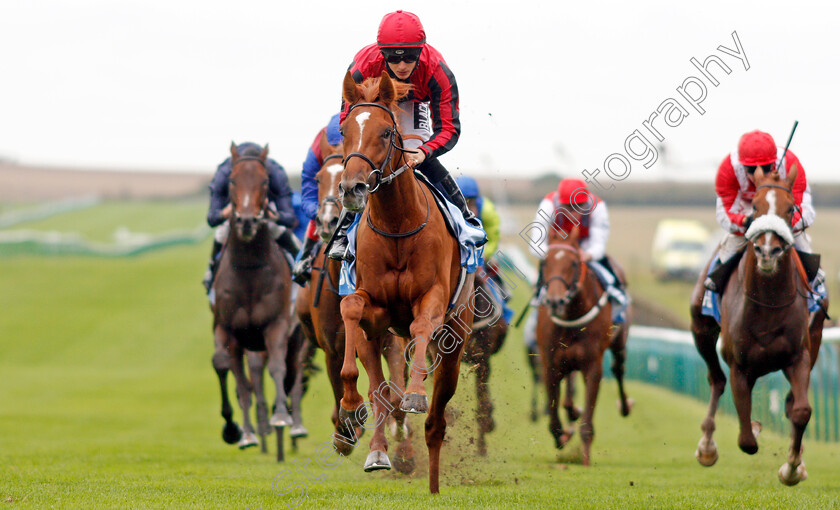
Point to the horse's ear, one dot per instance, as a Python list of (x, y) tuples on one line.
[(791, 176), (758, 175), (387, 90), (264, 153), (233, 151), (351, 90), (574, 235)]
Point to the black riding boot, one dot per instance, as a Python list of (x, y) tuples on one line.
[(289, 242), (211, 266), (302, 271), (457, 197), (716, 281), (338, 251)]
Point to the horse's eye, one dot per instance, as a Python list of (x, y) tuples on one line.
[(233, 182), (341, 132), (265, 183), (791, 209), (386, 133)]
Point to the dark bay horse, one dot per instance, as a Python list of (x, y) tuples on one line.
[(323, 323), (765, 326), (408, 270), (252, 308), (488, 336), (574, 329)]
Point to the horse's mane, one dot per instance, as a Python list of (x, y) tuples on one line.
[(369, 91)]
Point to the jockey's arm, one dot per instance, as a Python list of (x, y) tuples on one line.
[(219, 194), (309, 185), (599, 232), (446, 124), (280, 195), (492, 226), (801, 195), (727, 188), (540, 231)]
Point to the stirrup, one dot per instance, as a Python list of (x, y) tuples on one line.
[(338, 250), (302, 272), (710, 285)]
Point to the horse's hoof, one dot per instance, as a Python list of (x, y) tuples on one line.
[(248, 440), (281, 418), (574, 413), (342, 448), (298, 431), (414, 403), (791, 477), (756, 428), (231, 433), (377, 460), (706, 453), (356, 418), (626, 411), (564, 438)]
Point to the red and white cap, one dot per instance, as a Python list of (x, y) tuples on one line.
[(756, 148), (400, 29)]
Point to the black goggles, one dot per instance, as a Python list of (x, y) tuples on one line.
[(394, 58), (764, 168)]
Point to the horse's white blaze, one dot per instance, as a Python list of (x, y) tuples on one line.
[(246, 201), (771, 202), (767, 239), (333, 170), (559, 255), (361, 119)]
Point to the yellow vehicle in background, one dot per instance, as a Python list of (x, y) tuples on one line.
[(679, 249)]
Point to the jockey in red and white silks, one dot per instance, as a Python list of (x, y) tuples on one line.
[(735, 188)]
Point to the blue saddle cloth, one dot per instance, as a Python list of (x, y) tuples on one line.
[(470, 239), (711, 300)]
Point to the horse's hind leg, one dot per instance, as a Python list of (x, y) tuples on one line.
[(256, 368), (799, 412), (618, 347), (552, 380), (302, 357), (592, 377), (231, 433), (485, 405), (742, 386), (573, 412), (705, 331), (445, 383)]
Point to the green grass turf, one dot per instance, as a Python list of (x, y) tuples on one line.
[(110, 401)]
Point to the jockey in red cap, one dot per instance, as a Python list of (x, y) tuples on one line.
[(402, 51), (573, 199), (735, 188)]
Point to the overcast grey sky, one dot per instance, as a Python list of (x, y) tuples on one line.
[(544, 85)]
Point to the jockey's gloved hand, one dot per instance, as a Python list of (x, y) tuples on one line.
[(748, 221)]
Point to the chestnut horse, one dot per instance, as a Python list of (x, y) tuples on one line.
[(574, 329), (253, 296), (407, 271), (323, 325), (764, 326), (488, 336)]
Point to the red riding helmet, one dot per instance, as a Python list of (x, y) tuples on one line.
[(400, 29), (572, 190), (756, 148)]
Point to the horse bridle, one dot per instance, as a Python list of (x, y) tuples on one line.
[(392, 146), (261, 216), (573, 287), (788, 191), (380, 170)]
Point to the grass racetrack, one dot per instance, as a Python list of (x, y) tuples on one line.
[(109, 401)]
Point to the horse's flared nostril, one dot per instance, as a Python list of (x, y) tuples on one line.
[(332, 224), (360, 189)]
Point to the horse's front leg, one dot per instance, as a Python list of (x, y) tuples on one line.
[(393, 350), (742, 386), (256, 368), (428, 315), (353, 308), (799, 413), (303, 357), (573, 412), (231, 433), (243, 391), (370, 353), (592, 377), (277, 345)]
